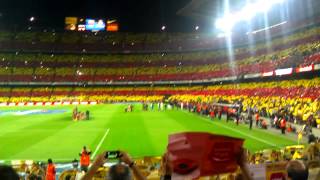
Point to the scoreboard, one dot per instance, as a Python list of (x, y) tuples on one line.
[(91, 24)]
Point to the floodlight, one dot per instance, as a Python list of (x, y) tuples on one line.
[(31, 19), (227, 22)]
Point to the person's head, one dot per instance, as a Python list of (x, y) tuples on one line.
[(311, 139), (119, 172), (50, 161), (75, 163), (68, 177), (8, 173), (296, 170)]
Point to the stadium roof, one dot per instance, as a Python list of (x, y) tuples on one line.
[(210, 10), (138, 16), (133, 16), (207, 8)]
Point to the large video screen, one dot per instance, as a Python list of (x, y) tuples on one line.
[(95, 25), (112, 25), (71, 23), (91, 24)]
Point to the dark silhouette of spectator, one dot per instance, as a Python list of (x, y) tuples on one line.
[(75, 164), (87, 115), (8, 173), (296, 170), (311, 138), (250, 119), (117, 172)]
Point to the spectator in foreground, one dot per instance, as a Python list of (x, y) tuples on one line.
[(84, 159), (296, 170), (8, 173), (119, 171), (165, 168), (243, 164), (36, 172), (51, 171)]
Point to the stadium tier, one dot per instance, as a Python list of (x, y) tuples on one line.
[(300, 96), (51, 40), (297, 50)]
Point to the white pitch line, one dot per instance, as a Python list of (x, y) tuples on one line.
[(100, 143), (235, 130), (250, 136)]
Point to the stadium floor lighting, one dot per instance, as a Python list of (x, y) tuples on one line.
[(227, 22)]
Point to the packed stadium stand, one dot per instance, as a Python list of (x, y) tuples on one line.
[(298, 49), (47, 67)]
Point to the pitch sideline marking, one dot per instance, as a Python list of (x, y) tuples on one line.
[(100, 143), (253, 137), (235, 130)]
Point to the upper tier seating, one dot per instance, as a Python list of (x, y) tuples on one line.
[(54, 41), (296, 50)]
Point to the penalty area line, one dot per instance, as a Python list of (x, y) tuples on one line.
[(100, 143)]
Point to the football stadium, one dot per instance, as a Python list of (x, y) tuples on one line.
[(188, 89)]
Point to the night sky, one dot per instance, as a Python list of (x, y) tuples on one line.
[(137, 15), (133, 15)]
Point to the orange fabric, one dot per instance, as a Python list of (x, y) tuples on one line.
[(283, 123), (204, 107), (212, 113), (198, 108), (51, 172), (84, 159)]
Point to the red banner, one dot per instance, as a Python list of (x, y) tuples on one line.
[(196, 154)]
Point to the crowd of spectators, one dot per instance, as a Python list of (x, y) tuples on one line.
[(295, 50), (300, 162), (297, 100), (36, 39)]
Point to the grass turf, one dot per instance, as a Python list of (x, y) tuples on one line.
[(43, 136)]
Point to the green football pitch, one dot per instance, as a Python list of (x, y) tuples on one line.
[(39, 133)]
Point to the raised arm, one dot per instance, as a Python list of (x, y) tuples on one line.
[(98, 162), (124, 157), (242, 162)]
